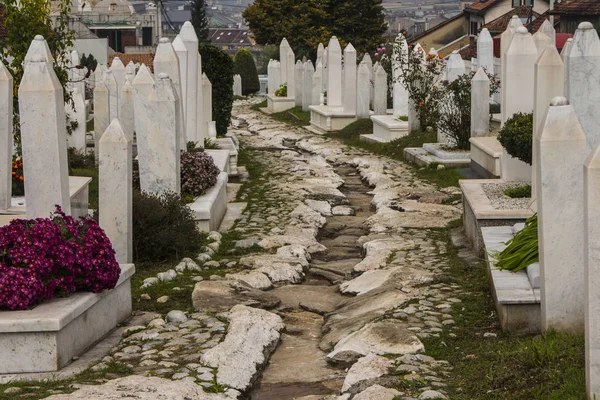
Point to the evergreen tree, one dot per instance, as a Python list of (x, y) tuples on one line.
[(245, 66), (218, 67), (199, 20)]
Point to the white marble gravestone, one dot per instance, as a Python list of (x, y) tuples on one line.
[(480, 104), (190, 41), (201, 123), (334, 71), (167, 61), (561, 152), (307, 85), (520, 59), (363, 103), (77, 113), (143, 86), (284, 48), (101, 111), (43, 134), (6, 136), (455, 66), (549, 30), (583, 80), (317, 85), (126, 109), (182, 55), (505, 40), (161, 164), (237, 85), (400, 93), (114, 94), (118, 69), (349, 99), (207, 101), (130, 71), (115, 190), (485, 51), (299, 79), (276, 76), (381, 92), (542, 41), (291, 74)]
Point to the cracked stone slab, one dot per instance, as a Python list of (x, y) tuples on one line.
[(368, 281), (252, 336), (366, 368), (219, 296), (377, 392)]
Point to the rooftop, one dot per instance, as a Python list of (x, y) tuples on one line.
[(577, 7), (501, 23)]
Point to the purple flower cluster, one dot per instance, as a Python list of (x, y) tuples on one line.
[(44, 256), (198, 172)]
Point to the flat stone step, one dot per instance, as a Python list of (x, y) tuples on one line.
[(335, 279), (341, 267)]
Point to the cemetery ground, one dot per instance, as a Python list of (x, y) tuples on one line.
[(448, 304)]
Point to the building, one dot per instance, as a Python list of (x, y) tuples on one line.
[(574, 12), (482, 12)]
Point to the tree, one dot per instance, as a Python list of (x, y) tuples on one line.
[(218, 67), (245, 66), (23, 21), (199, 20)]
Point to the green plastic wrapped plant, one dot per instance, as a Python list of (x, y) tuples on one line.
[(522, 250)]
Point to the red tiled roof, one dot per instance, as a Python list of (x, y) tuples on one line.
[(144, 58), (537, 23), (577, 7), (482, 4), (469, 52), (501, 23)]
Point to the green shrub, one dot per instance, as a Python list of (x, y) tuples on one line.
[(218, 67), (244, 66), (79, 160), (516, 136), (495, 108), (163, 228), (519, 192), (282, 91)]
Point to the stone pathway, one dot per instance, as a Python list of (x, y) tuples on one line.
[(337, 302)]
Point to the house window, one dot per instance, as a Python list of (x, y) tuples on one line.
[(517, 3), (474, 28), (113, 6)]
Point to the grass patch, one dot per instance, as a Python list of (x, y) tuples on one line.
[(294, 116), (93, 188), (89, 126), (262, 104), (519, 192), (548, 366), (350, 135)]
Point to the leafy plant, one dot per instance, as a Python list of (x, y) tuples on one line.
[(198, 173), (495, 108), (18, 186), (210, 144), (45, 256), (519, 192), (403, 118), (522, 250), (516, 136), (164, 228), (80, 160), (244, 66), (218, 67), (282, 91)]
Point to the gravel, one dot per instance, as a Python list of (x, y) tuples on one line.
[(500, 201)]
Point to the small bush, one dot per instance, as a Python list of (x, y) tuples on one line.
[(244, 66), (79, 160), (516, 136), (495, 108), (519, 192), (282, 91), (163, 228), (218, 67), (198, 173)]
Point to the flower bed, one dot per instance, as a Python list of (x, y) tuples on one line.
[(47, 256), (198, 173)]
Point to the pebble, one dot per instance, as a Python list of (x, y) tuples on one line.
[(212, 264), (202, 257), (197, 279), (162, 299), (431, 395), (13, 390), (145, 296), (176, 316), (489, 335)]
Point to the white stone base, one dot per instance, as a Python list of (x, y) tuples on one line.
[(227, 143), (220, 158), (78, 191), (486, 155), (46, 338), (431, 154), (514, 169), (388, 128), (210, 208), (278, 104), (330, 119)]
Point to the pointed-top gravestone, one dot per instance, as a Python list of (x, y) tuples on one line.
[(115, 192), (126, 109), (118, 69), (363, 90), (113, 89), (143, 85), (334, 71), (270, 84), (480, 104), (307, 85), (400, 94), (520, 60), (43, 135), (561, 152), (320, 50), (542, 41), (290, 74), (182, 55), (130, 71), (349, 100), (190, 40), (166, 60), (101, 111), (39, 46), (284, 49), (549, 31), (207, 103), (583, 80), (6, 136), (299, 78), (455, 67), (566, 48), (317, 85), (485, 51), (381, 92), (505, 40), (276, 76)]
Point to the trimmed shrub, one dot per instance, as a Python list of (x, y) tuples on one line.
[(244, 66), (516, 136), (218, 67), (198, 173), (164, 228), (60, 254)]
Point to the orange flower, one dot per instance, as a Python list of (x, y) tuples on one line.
[(421, 104)]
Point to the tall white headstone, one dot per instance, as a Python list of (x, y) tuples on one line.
[(542, 41), (363, 98), (400, 93), (207, 103), (43, 134), (101, 111), (126, 110), (284, 49), (143, 86), (505, 40), (118, 69), (130, 71), (201, 127), (455, 67), (349, 99), (298, 79), (520, 59), (317, 86), (320, 51), (480, 104), (561, 152), (190, 41), (583, 80), (182, 56), (237, 85), (113, 90), (77, 114), (334, 70), (167, 61), (6, 136), (270, 76), (276, 76), (549, 30), (115, 192), (381, 92), (162, 164), (291, 74), (307, 85), (485, 51)]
